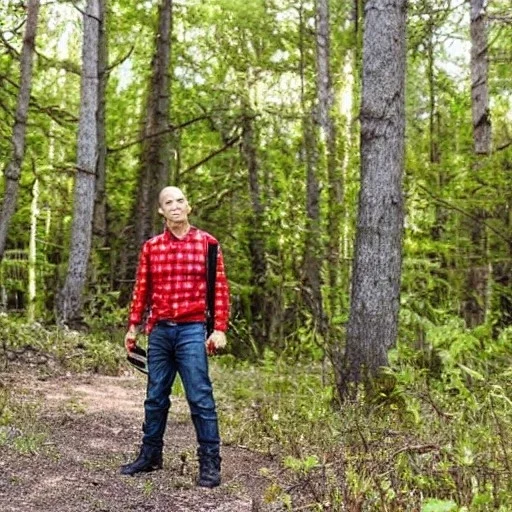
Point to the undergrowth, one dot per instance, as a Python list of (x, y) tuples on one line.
[(433, 436), (51, 348)]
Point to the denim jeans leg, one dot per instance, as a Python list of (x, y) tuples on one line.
[(161, 375), (192, 363)]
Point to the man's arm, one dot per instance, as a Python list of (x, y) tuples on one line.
[(139, 298), (222, 302)]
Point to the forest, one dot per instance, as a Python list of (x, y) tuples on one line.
[(354, 160)]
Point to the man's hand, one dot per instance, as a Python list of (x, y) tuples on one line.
[(130, 339), (216, 340)]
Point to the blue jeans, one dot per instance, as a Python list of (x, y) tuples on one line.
[(179, 348)]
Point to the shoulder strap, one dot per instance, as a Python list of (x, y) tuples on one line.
[(211, 275)]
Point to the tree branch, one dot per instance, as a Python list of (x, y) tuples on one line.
[(157, 134), (465, 213), (83, 13), (121, 59), (504, 146), (66, 65), (228, 144)]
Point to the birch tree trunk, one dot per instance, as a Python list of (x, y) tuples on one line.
[(32, 254), (474, 304), (373, 321), (69, 304), (13, 169)]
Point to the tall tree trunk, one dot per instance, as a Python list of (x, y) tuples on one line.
[(373, 320), (474, 303), (259, 327), (100, 229), (69, 304), (155, 157), (437, 172), (313, 249), (325, 100), (155, 152), (13, 169)]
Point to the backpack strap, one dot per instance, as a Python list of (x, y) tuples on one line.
[(211, 251)]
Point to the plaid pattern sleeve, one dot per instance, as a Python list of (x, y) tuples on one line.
[(141, 288), (221, 296)]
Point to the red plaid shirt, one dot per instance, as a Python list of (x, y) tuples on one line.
[(171, 281)]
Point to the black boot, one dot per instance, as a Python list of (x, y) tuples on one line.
[(149, 459), (209, 469)]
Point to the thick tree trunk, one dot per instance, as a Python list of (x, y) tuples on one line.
[(69, 304), (155, 157), (155, 152), (13, 170), (259, 327), (474, 303), (373, 321), (100, 228)]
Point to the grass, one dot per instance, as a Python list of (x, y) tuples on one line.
[(19, 425)]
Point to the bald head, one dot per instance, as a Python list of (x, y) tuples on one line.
[(174, 207), (170, 191)]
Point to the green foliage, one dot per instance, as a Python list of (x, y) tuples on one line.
[(433, 505), (52, 349), (432, 434)]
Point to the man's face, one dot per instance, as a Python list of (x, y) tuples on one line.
[(173, 205)]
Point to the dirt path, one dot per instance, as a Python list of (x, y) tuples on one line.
[(93, 425)]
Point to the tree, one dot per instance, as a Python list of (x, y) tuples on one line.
[(373, 321), (13, 169), (313, 248), (258, 301), (155, 153), (100, 200), (474, 302), (69, 304), (325, 119)]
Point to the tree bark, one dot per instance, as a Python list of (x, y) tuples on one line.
[(474, 302), (155, 156), (13, 169), (325, 101), (69, 304), (258, 302), (313, 248), (155, 152), (373, 320), (100, 228)]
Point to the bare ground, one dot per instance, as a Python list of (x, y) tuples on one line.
[(92, 425)]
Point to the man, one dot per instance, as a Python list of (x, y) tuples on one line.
[(171, 283)]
